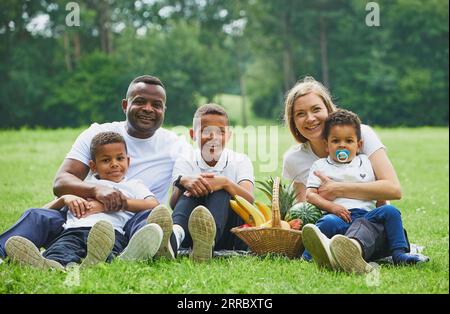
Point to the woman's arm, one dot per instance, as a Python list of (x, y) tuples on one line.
[(386, 187), (300, 192)]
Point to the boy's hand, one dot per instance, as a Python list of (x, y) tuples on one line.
[(78, 206), (197, 186), (342, 213), (95, 207), (217, 183)]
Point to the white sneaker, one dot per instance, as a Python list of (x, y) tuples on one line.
[(162, 216), (348, 255), (100, 243), (24, 251), (144, 243), (318, 245), (202, 228)]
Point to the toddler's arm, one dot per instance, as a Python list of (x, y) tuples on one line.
[(314, 198)]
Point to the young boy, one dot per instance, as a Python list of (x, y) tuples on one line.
[(203, 186), (91, 231), (342, 133)]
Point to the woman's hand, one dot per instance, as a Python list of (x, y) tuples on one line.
[(78, 206), (342, 213), (328, 188)]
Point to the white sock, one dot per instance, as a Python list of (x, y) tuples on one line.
[(179, 234)]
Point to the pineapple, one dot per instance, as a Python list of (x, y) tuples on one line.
[(287, 194)]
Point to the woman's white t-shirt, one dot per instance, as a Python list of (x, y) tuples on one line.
[(297, 161)]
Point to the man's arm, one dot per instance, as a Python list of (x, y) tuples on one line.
[(69, 180)]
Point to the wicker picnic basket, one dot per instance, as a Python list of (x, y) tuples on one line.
[(263, 240)]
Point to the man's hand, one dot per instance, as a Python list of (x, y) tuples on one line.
[(112, 199), (328, 188), (342, 213), (78, 206), (197, 186)]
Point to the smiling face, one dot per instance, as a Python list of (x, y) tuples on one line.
[(211, 133), (310, 114), (111, 162), (343, 137), (144, 109)]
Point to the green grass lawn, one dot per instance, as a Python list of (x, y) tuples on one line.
[(30, 159)]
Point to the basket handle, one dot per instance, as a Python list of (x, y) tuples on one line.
[(276, 218)]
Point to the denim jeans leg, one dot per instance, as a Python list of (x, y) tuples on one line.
[(392, 220), (39, 225)]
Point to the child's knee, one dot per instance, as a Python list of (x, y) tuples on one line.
[(329, 224), (391, 211)]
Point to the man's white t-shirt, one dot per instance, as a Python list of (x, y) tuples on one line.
[(151, 159), (235, 166), (297, 161), (359, 170), (132, 189)]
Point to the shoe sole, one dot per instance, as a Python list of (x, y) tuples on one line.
[(348, 256), (315, 246), (162, 216), (144, 244), (100, 243), (24, 252), (202, 229)]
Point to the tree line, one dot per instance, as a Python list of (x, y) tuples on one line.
[(55, 75)]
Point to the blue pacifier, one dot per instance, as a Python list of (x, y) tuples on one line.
[(342, 155)]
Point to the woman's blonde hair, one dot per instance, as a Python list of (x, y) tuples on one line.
[(304, 87)]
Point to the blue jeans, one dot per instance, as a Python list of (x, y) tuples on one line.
[(40, 226), (387, 215), (71, 246), (218, 203)]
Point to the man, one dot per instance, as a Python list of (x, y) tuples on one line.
[(152, 150)]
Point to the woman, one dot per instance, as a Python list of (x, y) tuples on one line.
[(307, 106)]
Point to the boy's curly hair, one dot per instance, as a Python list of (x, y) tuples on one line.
[(342, 117), (104, 138)]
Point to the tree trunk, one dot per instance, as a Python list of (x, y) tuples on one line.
[(242, 89), (77, 46), (324, 52), (104, 25), (288, 59), (67, 57)]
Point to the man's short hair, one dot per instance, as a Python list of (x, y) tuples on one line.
[(105, 138), (147, 79), (210, 109), (342, 117)]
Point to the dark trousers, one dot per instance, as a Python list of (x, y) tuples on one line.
[(71, 246), (41, 226), (379, 231), (218, 203)]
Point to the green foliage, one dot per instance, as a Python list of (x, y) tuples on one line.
[(286, 194), (68, 76)]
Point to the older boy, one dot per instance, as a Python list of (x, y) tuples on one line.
[(91, 231), (342, 132), (204, 183)]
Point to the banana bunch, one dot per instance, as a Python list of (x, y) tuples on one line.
[(255, 216)]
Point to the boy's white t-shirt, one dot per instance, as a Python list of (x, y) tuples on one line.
[(359, 170), (133, 189), (235, 166), (151, 159), (297, 161)]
